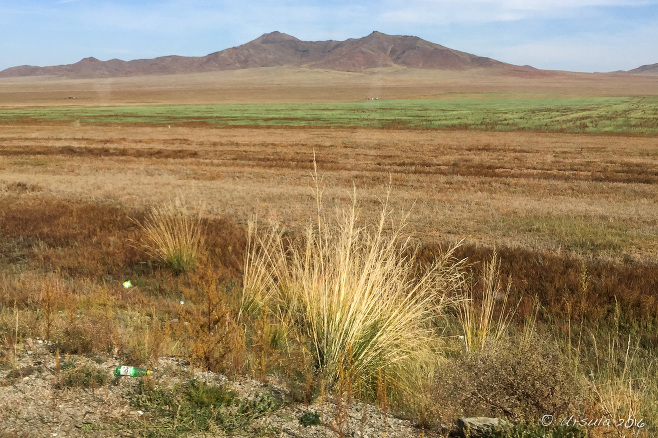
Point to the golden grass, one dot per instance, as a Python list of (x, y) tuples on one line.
[(573, 218), (529, 373), (484, 326), (354, 292), (619, 393), (575, 193), (174, 235)]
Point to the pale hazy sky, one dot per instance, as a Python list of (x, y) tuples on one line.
[(578, 35)]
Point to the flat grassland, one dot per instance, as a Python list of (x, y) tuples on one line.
[(491, 113), (566, 168), (558, 171)]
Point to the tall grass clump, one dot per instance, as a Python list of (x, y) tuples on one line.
[(174, 234), (352, 294), (623, 378), (485, 325)]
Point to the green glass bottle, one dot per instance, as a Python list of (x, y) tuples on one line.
[(131, 371)]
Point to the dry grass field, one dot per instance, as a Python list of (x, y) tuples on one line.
[(574, 219), (282, 84), (586, 194)]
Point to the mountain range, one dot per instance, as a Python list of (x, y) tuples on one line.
[(376, 50)]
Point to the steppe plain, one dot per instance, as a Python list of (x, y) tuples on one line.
[(572, 209), (585, 191)]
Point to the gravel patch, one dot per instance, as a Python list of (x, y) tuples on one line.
[(32, 405)]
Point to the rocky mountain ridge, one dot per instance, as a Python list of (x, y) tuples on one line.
[(376, 50)]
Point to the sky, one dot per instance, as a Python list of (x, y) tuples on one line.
[(575, 35)]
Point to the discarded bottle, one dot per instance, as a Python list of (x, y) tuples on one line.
[(131, 371)]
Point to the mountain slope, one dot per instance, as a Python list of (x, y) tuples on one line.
[(279, 49), (381, 50), (650, 69)]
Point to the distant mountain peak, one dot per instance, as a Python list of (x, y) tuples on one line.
[(276, 48), (275, 37)]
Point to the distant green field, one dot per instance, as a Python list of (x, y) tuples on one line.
[(554, 114)]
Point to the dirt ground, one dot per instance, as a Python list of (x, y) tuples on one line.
[(32, 404)]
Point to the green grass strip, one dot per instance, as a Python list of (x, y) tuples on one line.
[(637, 115)]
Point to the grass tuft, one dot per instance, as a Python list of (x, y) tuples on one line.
[(352, 291), (86, 376), (174, 235), (480, 325)]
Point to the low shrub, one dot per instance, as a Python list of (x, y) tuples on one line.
[(517, 381), (196, 406), (86, 376)]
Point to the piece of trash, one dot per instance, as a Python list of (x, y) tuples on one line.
[(127, 284), (182, 302), (131, 371)]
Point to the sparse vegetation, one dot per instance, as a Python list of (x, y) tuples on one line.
[(85, 376), (195, 407), (310, 419), (554, 353), (561, 321)]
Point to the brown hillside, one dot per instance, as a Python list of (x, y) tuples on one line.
[(650, 69), (381, 50), (279, 49), (270, 50)]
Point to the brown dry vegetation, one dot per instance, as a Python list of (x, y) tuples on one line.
[(590, 195), (63, 263), (574, 219)]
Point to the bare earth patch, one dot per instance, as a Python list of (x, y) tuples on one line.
[(32, 404)]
